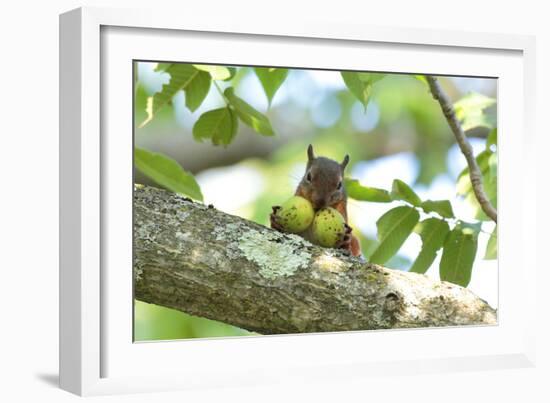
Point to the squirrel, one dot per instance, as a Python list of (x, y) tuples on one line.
[(322, 185)]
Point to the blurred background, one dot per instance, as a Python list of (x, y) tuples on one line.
[(400, 134)]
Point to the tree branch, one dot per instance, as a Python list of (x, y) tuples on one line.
[(475, 173), (199, 260)]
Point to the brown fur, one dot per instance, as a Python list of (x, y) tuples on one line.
[(322, 186)]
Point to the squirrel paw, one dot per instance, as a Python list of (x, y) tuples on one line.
[(273, 218), (345, 242)]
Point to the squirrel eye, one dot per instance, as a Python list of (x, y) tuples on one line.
[(308, 177), (339, 185)]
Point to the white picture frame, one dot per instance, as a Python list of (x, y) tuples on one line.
[(96, 355)]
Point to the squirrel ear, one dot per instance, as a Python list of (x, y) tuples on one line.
[(345, 162), (310, 154)]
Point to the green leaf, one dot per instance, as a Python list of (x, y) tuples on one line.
[(218, 125), (421, 78), (441, 207), (487, 162), (393, 229), (140, 103), (433, 232), (162, 66), (216, 72), (401, 191), (360, 84), (248, 114), (232, 72), (471, 111), (182, 76), (492, 162), (363, 193), (459, 252), (491, 251), (167, 173), (197, 90), (491, 139), (271, 79), (371, 77)]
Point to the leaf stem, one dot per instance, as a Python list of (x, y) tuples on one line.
[(221, 92)]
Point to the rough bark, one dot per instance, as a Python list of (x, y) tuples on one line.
[(196, 259)]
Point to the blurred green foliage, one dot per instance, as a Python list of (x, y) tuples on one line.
[(154, 322)]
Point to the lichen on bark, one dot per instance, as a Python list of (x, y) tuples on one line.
[(274, 259)]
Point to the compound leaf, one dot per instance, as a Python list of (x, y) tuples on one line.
[(271, 79), (459, 252), (491, 250), (218, 125), (364, 193), (473, 111), (250, 116), (393, 229), (216, 72), (360, 84), (441, 207), (182, 77), (401, 191), (167, 173), (433, 232)]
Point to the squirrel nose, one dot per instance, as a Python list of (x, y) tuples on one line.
[(319, 202)]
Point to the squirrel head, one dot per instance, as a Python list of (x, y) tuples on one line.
[(322, 183)]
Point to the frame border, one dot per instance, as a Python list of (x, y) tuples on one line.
[(80, 307)]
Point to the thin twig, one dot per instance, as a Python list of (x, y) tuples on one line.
[(475, 173)]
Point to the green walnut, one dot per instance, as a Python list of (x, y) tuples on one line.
[(329, 227), (295, 215)]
